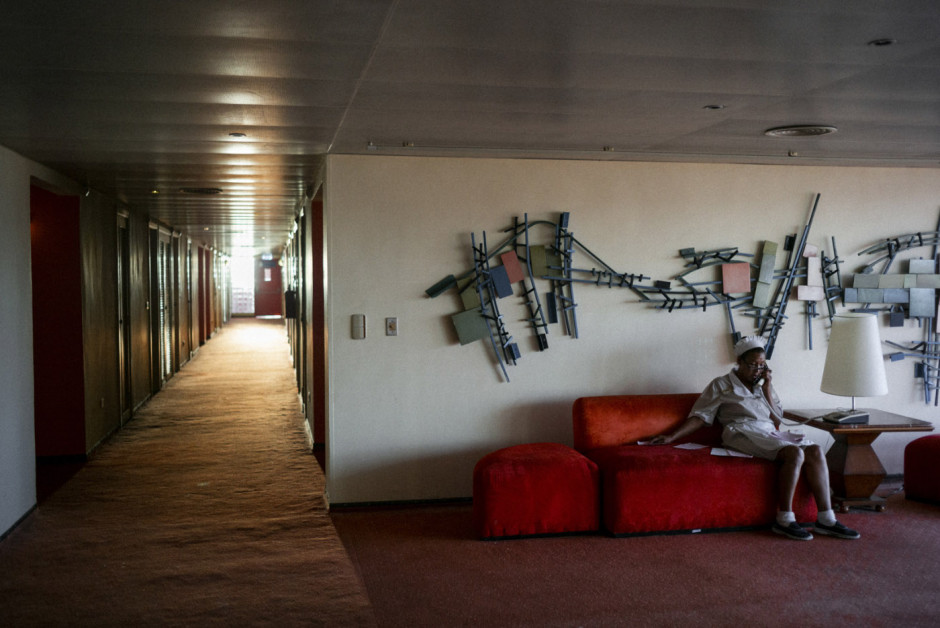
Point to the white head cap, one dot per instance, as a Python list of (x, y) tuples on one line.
[(747, 343)]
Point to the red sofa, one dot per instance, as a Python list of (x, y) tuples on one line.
[(654, 489)]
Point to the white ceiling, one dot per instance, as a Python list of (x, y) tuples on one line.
[(136, 96)]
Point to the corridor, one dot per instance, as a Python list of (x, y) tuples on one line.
[(206, 509)]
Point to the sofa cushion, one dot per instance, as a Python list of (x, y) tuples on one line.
[(537, 488), (922, 468), (621, 419), (661, 488)]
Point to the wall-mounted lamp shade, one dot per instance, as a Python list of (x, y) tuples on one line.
[(855, 364)]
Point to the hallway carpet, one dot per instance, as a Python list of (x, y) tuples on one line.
[(206, 509)]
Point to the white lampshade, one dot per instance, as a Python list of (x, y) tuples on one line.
[(855, 365)]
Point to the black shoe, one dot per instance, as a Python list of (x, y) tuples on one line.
[(794, 531), (837, 530)]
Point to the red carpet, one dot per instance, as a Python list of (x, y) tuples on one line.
[(206, 509), (422, 567)]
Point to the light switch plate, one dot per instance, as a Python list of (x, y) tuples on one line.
[(391, 326), (358, 326)]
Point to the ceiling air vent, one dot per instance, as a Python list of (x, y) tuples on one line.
[(801, 130), (201, 190)]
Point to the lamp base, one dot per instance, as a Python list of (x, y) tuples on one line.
[(846, 417)]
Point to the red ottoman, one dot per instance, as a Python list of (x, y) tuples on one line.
[(539, 488), (922, 469)]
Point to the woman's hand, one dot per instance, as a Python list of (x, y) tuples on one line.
[(768, 377), (662, 439)]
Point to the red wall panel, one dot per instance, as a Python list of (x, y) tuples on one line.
[(58, 362)]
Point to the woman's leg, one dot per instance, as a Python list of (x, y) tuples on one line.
[(817, 475), (791, 460)]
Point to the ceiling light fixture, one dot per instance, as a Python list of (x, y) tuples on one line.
[(883, 41), (237, 134), (713, 107), (800, 130), (207, 191)]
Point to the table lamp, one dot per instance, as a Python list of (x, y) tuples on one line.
[(854, 364)]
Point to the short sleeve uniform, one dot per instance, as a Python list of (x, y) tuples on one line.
[(745, 414)]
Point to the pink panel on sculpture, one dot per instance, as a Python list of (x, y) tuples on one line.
[(513, 267), (736, 278)]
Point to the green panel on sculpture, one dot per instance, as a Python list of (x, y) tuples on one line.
[(762, 294), (910, 281), (471, 326), (866, 280), (469, 295), (537, 259), (928, 281), (767, 263), (891, 281), (871, 295)]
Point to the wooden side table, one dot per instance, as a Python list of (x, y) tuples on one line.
[(855, 472)]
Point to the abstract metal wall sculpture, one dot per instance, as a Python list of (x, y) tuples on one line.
[(902, 296), (757, 291)]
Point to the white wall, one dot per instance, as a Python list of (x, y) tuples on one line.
[(410, 415), (17, 443)]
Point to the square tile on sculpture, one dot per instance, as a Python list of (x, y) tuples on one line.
[(736, 278), (470, 326), (910, 281), (501, 282), (850, 295), (871, 295), (922, 266), (897, 295), (810, 293), (896, 319), (863, 280), (923, 303)]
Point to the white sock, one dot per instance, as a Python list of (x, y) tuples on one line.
[(785, 517), (826, 517)]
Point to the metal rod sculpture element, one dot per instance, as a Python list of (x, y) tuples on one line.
[(564, 288), (533, 303), (832, 289), (784, 295), (485, 291)]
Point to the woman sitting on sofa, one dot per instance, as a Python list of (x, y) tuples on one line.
[(745, 403)]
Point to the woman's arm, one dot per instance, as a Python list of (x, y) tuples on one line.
[(691, 424)]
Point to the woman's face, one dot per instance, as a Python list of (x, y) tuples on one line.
[(751, 366)]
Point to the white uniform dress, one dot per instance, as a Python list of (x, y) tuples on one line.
[(746, 416)]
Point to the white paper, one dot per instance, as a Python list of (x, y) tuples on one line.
[(721, 451), (790, 437)]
